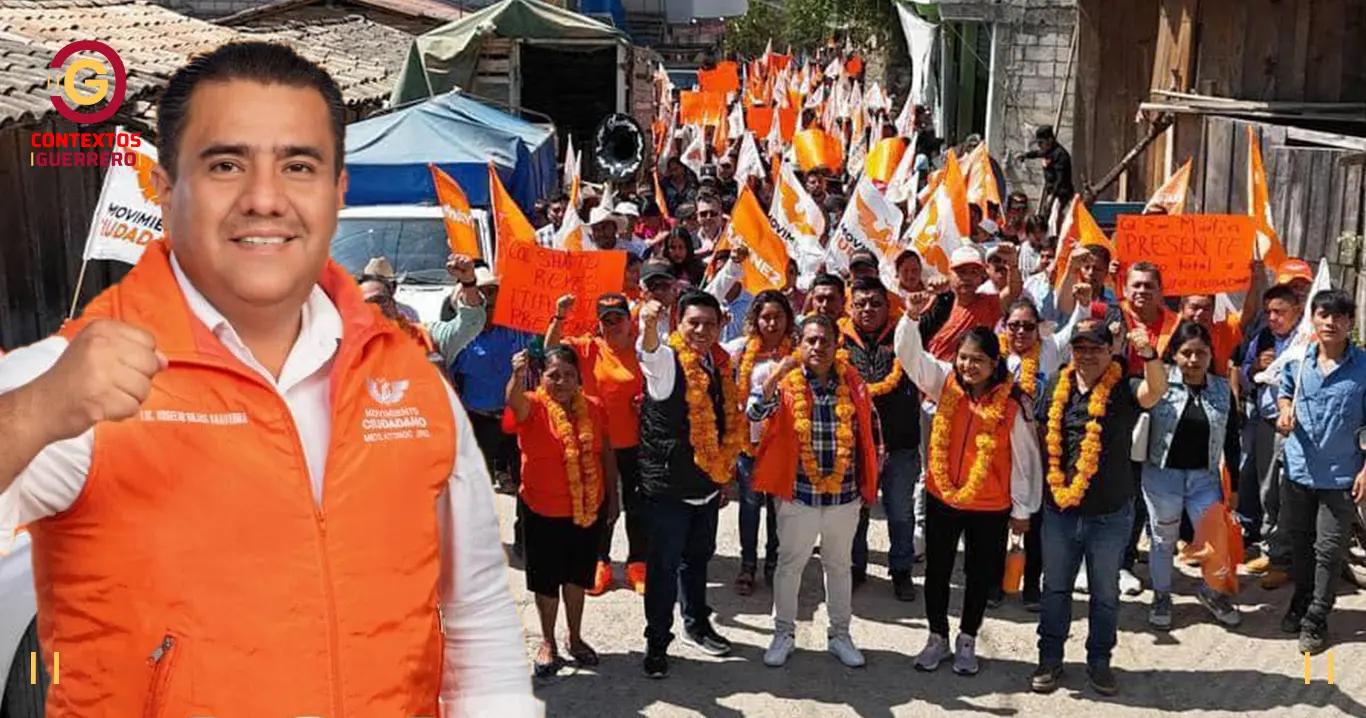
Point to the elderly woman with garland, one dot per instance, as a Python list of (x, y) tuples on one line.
[(568, 473), (1090, 413), (818, 457), (769, 328), (983, 477)]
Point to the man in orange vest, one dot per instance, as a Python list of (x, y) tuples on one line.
[(249, 493)]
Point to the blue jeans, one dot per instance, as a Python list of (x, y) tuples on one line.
[(751, 505), (1167, 492), (1068, 538), (682, 541), (899, 473)]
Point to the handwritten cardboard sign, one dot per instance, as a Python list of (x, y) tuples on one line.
[(1197, 253), (533, 278)]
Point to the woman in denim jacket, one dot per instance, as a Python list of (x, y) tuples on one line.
[(1191, 429)]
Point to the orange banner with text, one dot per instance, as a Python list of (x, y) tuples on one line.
[(533, 278), (1197, 253)]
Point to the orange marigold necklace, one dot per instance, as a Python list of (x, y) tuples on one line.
[(800, 389), (883, 385), (713, 453), (1029, 368), (581, 464), (750, 356), (991, 414), (1088, 460)]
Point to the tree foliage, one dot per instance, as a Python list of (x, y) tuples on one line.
[(809, 24)]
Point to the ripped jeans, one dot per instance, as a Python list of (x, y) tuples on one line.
[(1167, 492)]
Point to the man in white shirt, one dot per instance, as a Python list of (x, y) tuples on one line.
[(245, 311)]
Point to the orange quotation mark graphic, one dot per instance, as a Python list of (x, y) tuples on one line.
[(1307, 672), (33, 667)]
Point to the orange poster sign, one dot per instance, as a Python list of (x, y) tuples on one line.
[(1197, 253), (724, 78), (701, 108), (532, 278)]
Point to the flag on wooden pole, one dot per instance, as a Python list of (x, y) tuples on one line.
[(1171, 196), (461, 234)]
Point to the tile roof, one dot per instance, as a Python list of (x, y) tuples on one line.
[(24, 92), (153, 42), (429, 9), (352, 35)]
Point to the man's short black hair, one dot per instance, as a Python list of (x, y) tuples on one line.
[(868, 284), (697, 298), (264, 62), (818, 319), (826, 279), (1282, 292), (1334, 303)]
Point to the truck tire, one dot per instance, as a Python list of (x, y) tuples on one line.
[(23, 700)]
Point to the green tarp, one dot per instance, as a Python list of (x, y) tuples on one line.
[(446, 57)]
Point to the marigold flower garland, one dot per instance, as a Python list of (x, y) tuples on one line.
[(713, 453), (1029, 368), (585, 476), (1088, 461), (832, 482), (750, 356), (991, 414), (878, 388)]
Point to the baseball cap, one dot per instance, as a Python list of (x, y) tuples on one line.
[(1292, 269), (655, 268), (966, 255), (627, 209), (1094, 331), (609, 303), (989, 226), (863, 256)]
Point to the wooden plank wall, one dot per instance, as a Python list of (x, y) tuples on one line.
[(1316, 196), (46, 214)]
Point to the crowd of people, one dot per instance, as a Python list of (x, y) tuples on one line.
[(1071, 407)]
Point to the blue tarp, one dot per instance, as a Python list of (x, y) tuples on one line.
[(387, 156)]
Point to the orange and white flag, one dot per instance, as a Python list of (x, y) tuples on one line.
[(571, 236), (798, 218), (942, 224), (766, 267), (1079, 229), (461, 234), (749, 163), (128, 216), (695, 152), (1171, 196), (884, 160), (509, 223), (1268, 246), (983, 189), (870, 223), (817, 148)]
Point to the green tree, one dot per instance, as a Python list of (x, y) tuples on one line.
[(749, 34)]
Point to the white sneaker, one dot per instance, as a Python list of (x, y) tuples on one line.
[(843, 648), (936, 651), (1129, 585), (965, 655), (779, 650), (1080, 585)]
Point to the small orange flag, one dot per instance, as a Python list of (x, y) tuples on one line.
[(884, 158), (817, 148), (696, 107), (1078, 230), (766, 267), (759, 120), (1171, 196), (724, 78), (455, 209), (787, 122), (509, 223), (1268, 245)]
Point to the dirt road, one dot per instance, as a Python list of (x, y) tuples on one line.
[(1197, 667)]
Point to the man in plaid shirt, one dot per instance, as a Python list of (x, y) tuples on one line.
[(809, 510)]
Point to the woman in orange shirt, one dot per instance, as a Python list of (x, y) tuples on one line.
[(568, 475), (611, 374)]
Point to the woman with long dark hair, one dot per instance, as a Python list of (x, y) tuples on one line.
[(769, 328), (984, 477), (1192, 428), (676, 248)]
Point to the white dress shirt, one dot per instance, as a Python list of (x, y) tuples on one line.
[(485, 664), (930, 374)]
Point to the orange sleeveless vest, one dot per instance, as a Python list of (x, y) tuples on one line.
[(196, 576), (776, 460), (995, 493)]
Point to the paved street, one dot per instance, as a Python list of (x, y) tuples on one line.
[(1197, 668)]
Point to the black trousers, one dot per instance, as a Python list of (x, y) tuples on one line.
[(1319, 522), (682, 541), (499, 449), (1033, 570), (984, 554), (638, 540)]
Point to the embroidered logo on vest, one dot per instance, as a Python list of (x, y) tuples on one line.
[(386, 392)]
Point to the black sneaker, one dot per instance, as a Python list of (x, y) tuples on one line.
[(903, 586), (656, 663), (1313, 637), (996, 598), (858, 577), (1102, 680), (1290, 622), (1045, 678), (711, 642)]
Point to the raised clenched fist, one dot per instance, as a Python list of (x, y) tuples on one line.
[(104, 375)]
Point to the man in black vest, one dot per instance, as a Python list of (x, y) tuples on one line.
[(681, 499)]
